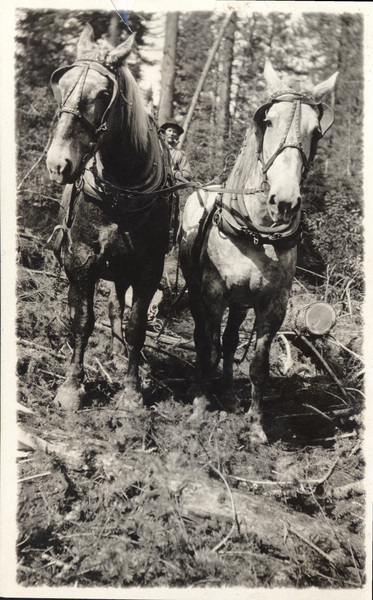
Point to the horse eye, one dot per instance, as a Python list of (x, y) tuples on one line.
[(268, 122)]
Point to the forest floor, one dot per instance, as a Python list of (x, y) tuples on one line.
[(112, 498)]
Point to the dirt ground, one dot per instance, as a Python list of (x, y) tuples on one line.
[(144, 499)]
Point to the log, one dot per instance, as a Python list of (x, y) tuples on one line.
[(260, 517), (317, 318)]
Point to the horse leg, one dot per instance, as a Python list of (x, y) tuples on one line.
[(71, 394), (207, 313), (116, 310), (268, 322), (135, 337), (230, 342)]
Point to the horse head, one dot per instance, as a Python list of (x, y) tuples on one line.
[(86, 93), (288, 128)]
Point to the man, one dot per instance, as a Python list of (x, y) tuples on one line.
[(181, 170), (180, 164)]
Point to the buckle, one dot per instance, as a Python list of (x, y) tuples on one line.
[(255, 236), (216, 218), (275, 236)]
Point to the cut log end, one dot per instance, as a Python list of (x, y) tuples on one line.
[(317, 318)]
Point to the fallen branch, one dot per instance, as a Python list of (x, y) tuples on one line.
[(24, 409), (37, 193), (47, 273), (41, 348), (203, 497), (288, 361), (343, 491), (337, 343), (34, 476), (164, 339), (104, 371), (235, 519), (327, 474), (324, 364), (172, 341), (319, 412), (32, 238), (311, 544)]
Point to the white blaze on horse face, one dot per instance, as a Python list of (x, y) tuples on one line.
[(72, 139), (285, 173)]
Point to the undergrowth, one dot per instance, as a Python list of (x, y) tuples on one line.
[(146, 500)]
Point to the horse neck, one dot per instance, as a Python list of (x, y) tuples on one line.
[(123, 160), (128, 153), (247, 173)]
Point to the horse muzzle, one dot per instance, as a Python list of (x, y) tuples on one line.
[(283, 211), (61, 165), (60, 173)]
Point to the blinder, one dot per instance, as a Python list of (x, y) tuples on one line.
[(95, 65), (54, 80)]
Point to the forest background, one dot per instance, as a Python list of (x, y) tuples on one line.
[(305, 48)]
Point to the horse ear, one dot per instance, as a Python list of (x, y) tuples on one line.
[(117, 56), (86, 40), (271, 77), (322, 89)]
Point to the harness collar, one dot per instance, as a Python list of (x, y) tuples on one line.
[(232, 218)]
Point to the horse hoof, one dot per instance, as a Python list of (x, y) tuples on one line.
[(230, 402), (257, 435), (200, 405), (70, 398), (129, 400), (119, 362)]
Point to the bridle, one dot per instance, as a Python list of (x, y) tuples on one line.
[(85, 64), (326, 118), (232, 217)]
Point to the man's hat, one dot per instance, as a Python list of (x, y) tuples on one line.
[(172, 123)]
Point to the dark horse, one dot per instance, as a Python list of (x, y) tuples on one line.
[(115, 204), (239, 246)]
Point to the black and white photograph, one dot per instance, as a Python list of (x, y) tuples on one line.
[(185, 299)]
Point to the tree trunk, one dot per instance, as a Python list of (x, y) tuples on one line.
[(113, 30), (203, 77), (225, 85), (168, 68)]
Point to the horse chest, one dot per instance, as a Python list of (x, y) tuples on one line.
[(242, 265)]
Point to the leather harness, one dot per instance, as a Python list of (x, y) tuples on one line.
[(228, 212)]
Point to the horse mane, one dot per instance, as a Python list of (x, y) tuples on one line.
[(137, 117), (246, 171)]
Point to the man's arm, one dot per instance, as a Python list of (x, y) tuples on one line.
[(182, 166)]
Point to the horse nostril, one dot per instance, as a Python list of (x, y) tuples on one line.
[(67, 168), (298, 204)]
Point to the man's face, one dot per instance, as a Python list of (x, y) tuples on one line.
[(172, 136)]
